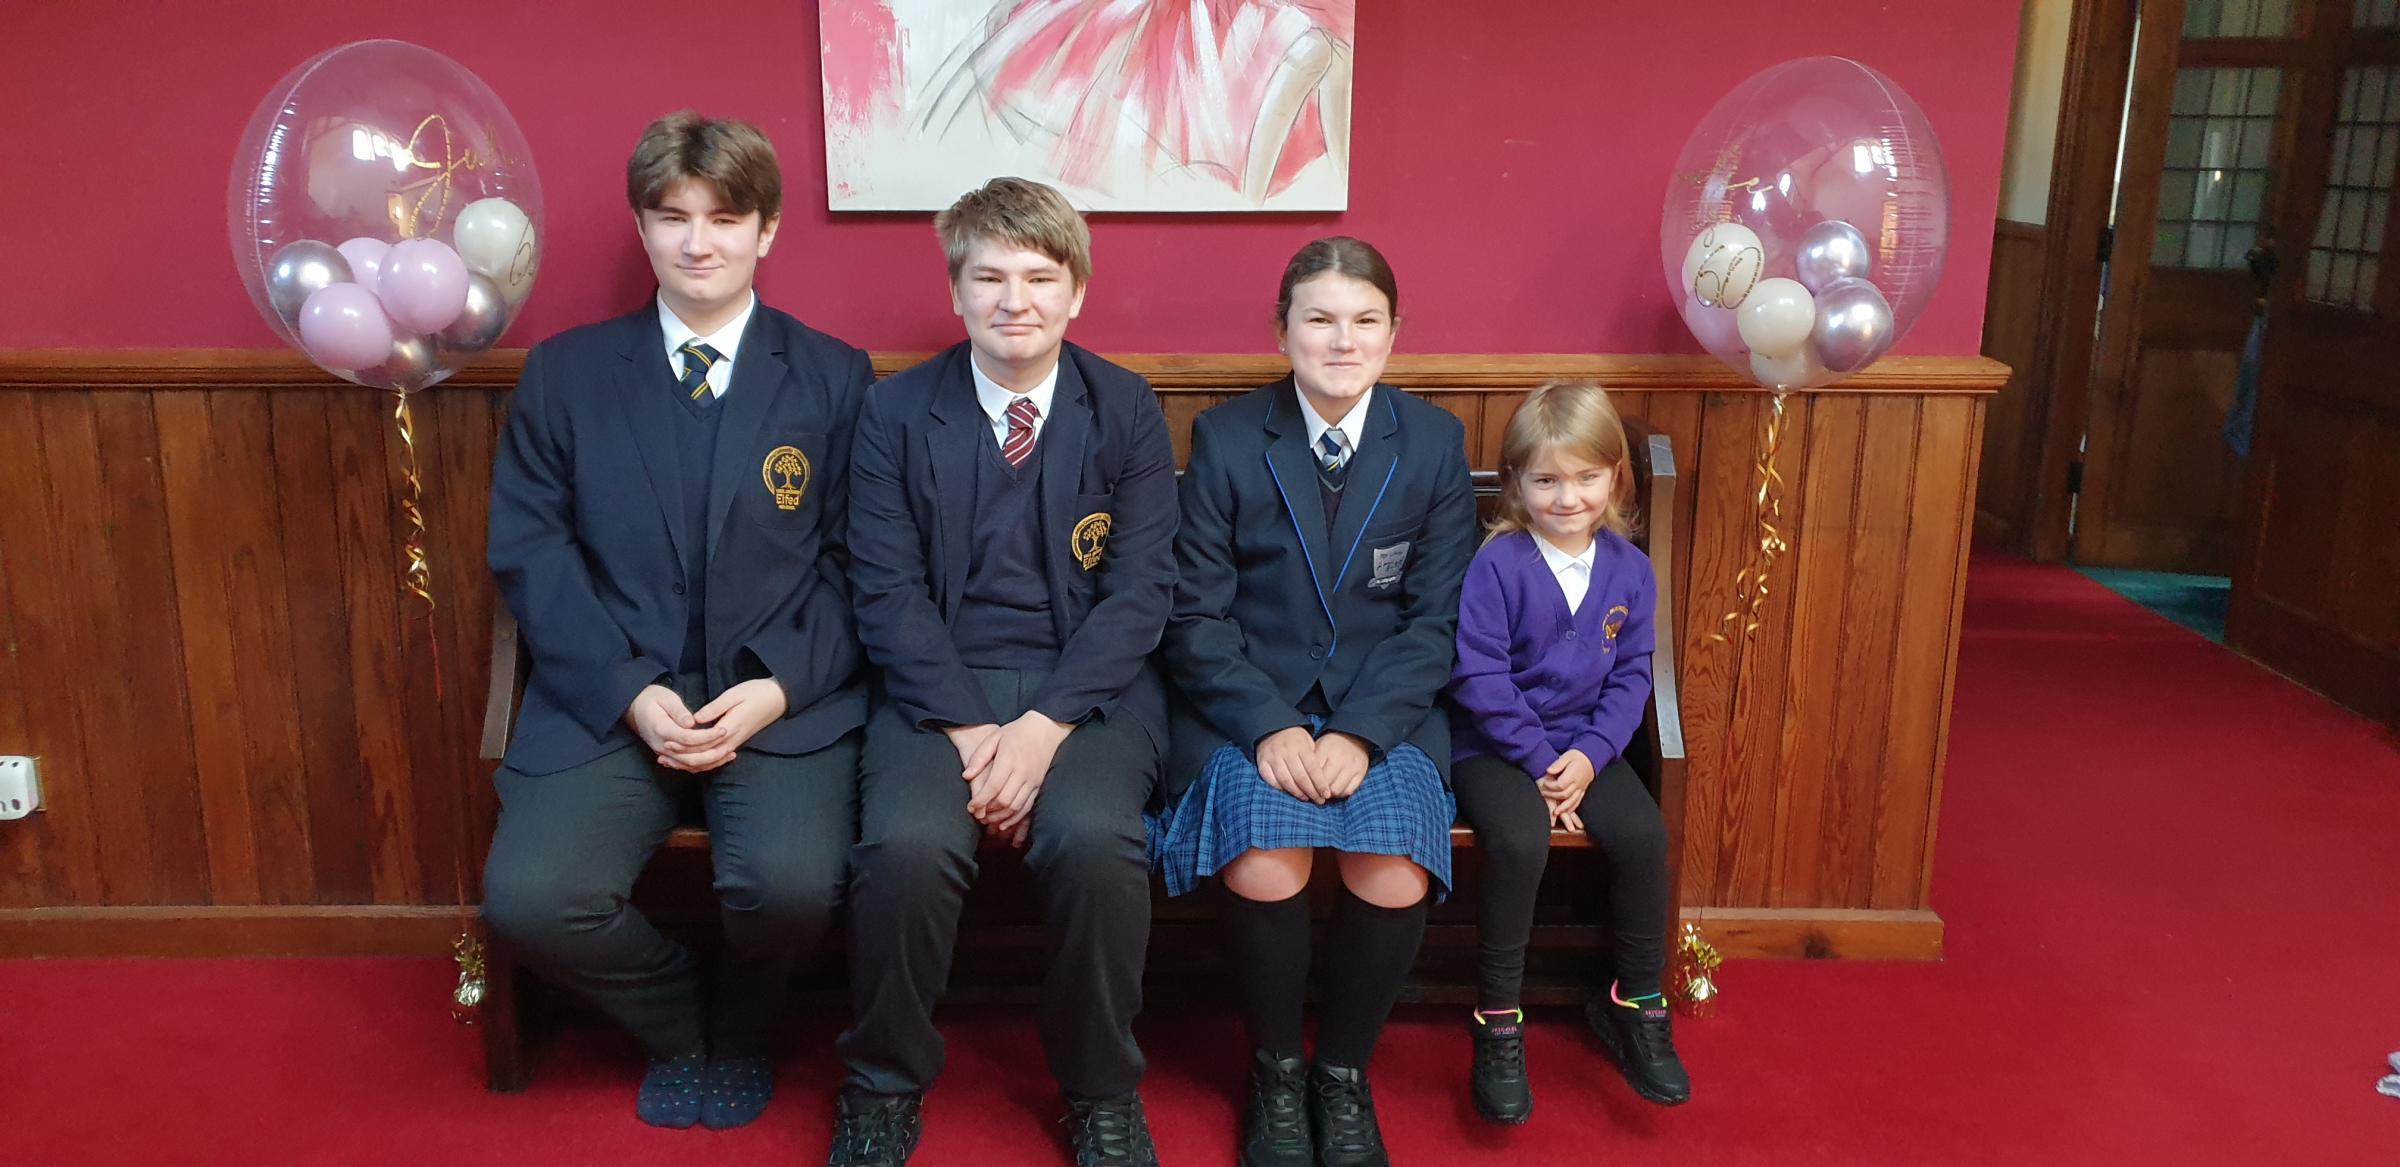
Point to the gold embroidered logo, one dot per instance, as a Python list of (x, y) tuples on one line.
[(1614, 620), (1091, 537), (786, 473)]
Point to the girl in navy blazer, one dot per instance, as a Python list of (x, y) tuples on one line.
[(1554, 644), (1327, 520)]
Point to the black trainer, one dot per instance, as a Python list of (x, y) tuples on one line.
[(1343, 1109), (1275, 1124), (1641, 1037), (875, 1130), (1111, 1132), (1497, 1080)]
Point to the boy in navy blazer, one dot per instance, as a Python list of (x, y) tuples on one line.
[(1012, 521), (667, 524)]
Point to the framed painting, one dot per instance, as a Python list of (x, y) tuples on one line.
[(1126, 105)]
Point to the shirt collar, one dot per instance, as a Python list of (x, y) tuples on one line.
[(995, 397), (1560, 561), (725, 340), (1352, 424)]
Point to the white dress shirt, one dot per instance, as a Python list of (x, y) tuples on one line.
[(995, 399), (726, 341), (1574, 572), (1352, 424)]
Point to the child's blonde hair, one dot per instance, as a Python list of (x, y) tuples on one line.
[(1575, 416)]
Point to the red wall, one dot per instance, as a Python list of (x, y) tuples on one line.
[(1510, 162)]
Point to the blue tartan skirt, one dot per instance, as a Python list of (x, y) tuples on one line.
[(1401, 808)]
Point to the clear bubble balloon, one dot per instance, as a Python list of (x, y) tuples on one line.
[(367, 152), (1836, 175)]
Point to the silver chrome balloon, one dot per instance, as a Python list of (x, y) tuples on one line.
[(408, 369), (299, 268), (1831, 250), (481, 322), (1854, 325)]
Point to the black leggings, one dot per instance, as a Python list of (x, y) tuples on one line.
[(1512, 829)]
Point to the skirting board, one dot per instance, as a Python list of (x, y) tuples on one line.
[(366, 930)]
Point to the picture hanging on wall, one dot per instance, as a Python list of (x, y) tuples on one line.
[(1126, 105)]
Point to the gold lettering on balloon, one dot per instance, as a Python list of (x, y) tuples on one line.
[(408, 205)]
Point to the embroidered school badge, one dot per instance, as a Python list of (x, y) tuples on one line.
[(1614, 621), (1384, 572), (786, 474), (1090, 539)]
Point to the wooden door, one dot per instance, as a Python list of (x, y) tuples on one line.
[(2207, 134), (2316, 586)]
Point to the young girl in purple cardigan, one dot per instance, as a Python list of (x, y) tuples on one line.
[(1554, 643)]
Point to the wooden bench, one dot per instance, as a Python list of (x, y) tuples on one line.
[(1002, 929)]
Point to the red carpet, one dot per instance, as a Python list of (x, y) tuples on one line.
[(2173, 935)]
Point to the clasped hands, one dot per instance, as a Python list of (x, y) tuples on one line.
[(1317, 769), (697, 742), (1004, 767)]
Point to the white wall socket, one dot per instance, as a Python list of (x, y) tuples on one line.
[(20, 787)]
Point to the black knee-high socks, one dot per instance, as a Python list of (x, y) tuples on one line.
[(1370, 952), (1266, 942)]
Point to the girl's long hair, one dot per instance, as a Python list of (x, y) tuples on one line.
[(1577, 417)]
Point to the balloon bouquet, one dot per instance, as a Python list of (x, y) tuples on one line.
[(386, 219), (1804, 231)]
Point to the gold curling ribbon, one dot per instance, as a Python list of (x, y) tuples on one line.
[(1694, 985), (466, 1000), (1750, 585), (419, 580)]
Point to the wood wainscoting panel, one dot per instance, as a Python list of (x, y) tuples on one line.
[(246, 724)]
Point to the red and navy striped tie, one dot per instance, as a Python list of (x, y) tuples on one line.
[(1021, 415)]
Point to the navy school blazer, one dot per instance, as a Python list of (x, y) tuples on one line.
[(1108, 529), (1269, 602), (587, 532)]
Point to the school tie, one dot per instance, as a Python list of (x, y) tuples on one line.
[(698, 359), (1021, 415), (1333, 450)]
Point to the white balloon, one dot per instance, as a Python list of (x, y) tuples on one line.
[(1777, 317), (496, 240), (1723, 264), (1788, 372)]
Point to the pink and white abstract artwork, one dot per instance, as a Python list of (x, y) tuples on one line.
[(1126, 105)]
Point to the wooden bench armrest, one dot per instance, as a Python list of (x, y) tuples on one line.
[(507, 687)]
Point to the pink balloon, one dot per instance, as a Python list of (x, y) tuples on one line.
[(344, 328), (423, 285), (365, 254)]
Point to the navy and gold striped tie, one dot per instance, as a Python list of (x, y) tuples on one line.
[(698, 359)]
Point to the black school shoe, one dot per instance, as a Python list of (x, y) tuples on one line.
[(1641, 1037), (1275, 1124), (1343, 1110), (875, 1130), (1111, 1132), (1496, 1079)]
